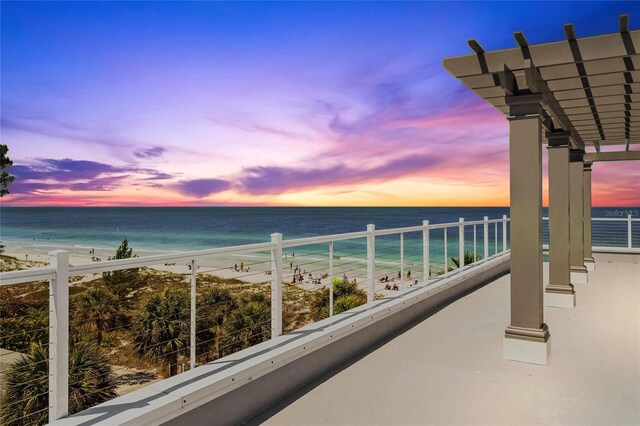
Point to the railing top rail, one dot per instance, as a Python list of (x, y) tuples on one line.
[(295, 242), (378, 232), (27, 275), (608, 219), (392, 231)]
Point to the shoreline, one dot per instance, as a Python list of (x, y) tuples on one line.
[(257, 264)]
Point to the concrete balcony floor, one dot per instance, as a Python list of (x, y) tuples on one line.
[(448, 369)]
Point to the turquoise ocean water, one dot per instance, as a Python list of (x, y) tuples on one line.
[(167, 229)]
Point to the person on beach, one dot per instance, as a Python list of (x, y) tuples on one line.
[(395, 287), (241, 266), (387, 287), (409, 275), (235, 267), (399, 275), (290, 265)]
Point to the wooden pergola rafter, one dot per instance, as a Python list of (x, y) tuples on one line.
[(591, 85)]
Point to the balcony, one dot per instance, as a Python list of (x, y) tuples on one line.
[(449, 352), (448, 369)]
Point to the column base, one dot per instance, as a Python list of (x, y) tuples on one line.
[(527, 345), (579, 275), (590, 264), (559, 300)]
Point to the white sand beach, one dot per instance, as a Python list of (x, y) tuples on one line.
[(256, 268)]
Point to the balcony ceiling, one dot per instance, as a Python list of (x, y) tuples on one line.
[(590, 85)]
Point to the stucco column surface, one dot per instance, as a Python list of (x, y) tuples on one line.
[(526, 338), (559, 292)]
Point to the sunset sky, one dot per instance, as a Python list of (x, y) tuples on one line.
[(197, 103)]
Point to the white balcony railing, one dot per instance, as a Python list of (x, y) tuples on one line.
[(615, 234), (412, 256)]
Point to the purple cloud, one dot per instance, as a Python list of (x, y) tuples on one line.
[(155, 152), (274, 180), (203, 187), (76, 175)]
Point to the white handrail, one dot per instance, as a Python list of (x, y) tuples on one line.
[(27, 275)]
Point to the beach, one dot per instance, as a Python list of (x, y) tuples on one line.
[(259, 268), (95, 233)]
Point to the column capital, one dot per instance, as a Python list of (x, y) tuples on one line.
[(576, 155), (587, 166), (559, 139), (521, 106)]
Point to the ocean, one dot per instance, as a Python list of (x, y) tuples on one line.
[(171, 229)]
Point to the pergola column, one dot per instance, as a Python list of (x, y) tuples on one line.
[(589, 261), (576, 211), (527, 337), (559, 292)]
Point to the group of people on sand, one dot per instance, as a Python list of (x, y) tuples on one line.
[(385, 279), (388, 285), (94, 258), (298, 275), (241, 269)]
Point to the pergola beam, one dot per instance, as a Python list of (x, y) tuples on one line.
[(612, 156), (623, 23), (569, 31), (520, 39), (475, 46), (593, 53), (537, 84)]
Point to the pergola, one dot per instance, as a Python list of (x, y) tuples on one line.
[(571, 95)]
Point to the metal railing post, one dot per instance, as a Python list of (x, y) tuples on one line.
[(495, 238), (192, 349), (371, 261), (402, 260), (426, 263), (486, 237), (330, 278), (461, 242), (59, 336), (504, 233), (475, 256), (276, 286), (629, 241), (446, 253)]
